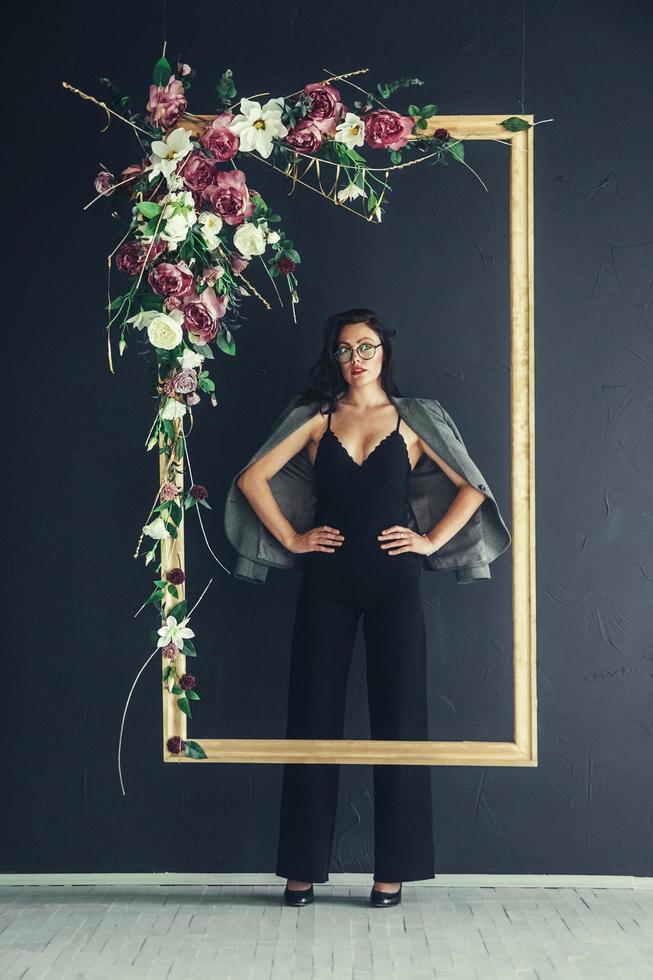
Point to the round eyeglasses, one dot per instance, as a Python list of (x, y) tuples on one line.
[(343, 353)]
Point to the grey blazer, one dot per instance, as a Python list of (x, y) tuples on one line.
[(430, 492)]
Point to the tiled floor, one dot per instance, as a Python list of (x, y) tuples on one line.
[(228, 931)]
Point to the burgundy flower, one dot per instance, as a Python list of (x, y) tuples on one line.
[(185, 381), (166, 103), (131, 256), (305, 137), (171, 279), (197, 171), (175, 744), (187, 682), (385, 129), (219, 140), (175, 576), (230, 197), (199, 492), (104, 183), (325, 106), (442, 134), (285, 265)]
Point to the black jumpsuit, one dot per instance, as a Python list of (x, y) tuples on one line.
[(358, 577)]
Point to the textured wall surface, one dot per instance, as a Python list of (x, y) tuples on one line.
[(437, 269)]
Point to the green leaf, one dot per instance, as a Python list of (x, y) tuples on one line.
[(149, 208), (178, 610), (457, 150), (195, 750), (183, 705), (189, 649), (515, 125), (225, 342), (413, 110), (162, 72), (429, 110), (421, 124), (192, 695)]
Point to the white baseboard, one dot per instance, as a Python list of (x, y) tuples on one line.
[(338, 880)]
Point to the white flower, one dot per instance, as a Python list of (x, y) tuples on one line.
[(172, 409), (156, 529), (179, 215), (143, 319), (273, 236), (351, 131), (350, 192), (257, 125), (211, 222), (377, 212), (164, 329), (174, 632), (190, 359), (167, 153), (249, 239)]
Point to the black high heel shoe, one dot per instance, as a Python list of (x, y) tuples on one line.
[(298, 896), (381, 900)]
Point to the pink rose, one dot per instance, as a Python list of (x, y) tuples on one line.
[(219, 140), (166, 103), (385, 129), (185, 381), (197, 170), (131, 256), (171, 279), (305, 137), (229, 197), (325, 106)]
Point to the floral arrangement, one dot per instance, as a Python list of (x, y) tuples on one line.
[(194, 225)]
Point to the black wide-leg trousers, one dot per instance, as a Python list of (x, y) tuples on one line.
[(336, 589)]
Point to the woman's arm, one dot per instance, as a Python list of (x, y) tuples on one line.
[(465, 503), (254, 481)]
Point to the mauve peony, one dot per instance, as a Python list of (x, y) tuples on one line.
[(325, 109), (166, 103), (385, 129), (199, 323), (193, 398), (185, 382), (238, 263), (305, 137), (229, 196), (168, 279), (197, 171), (219, 140), (131, 255)]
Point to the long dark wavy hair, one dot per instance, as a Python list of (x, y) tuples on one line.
[(326, 382)]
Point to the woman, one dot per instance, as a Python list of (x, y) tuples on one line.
[(361, 557)]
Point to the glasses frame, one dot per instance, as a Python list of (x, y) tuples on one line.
[(357, 349)]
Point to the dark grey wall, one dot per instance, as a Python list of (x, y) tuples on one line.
[(436, 269)]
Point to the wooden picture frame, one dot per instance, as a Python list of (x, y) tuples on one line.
[(522, 750)]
